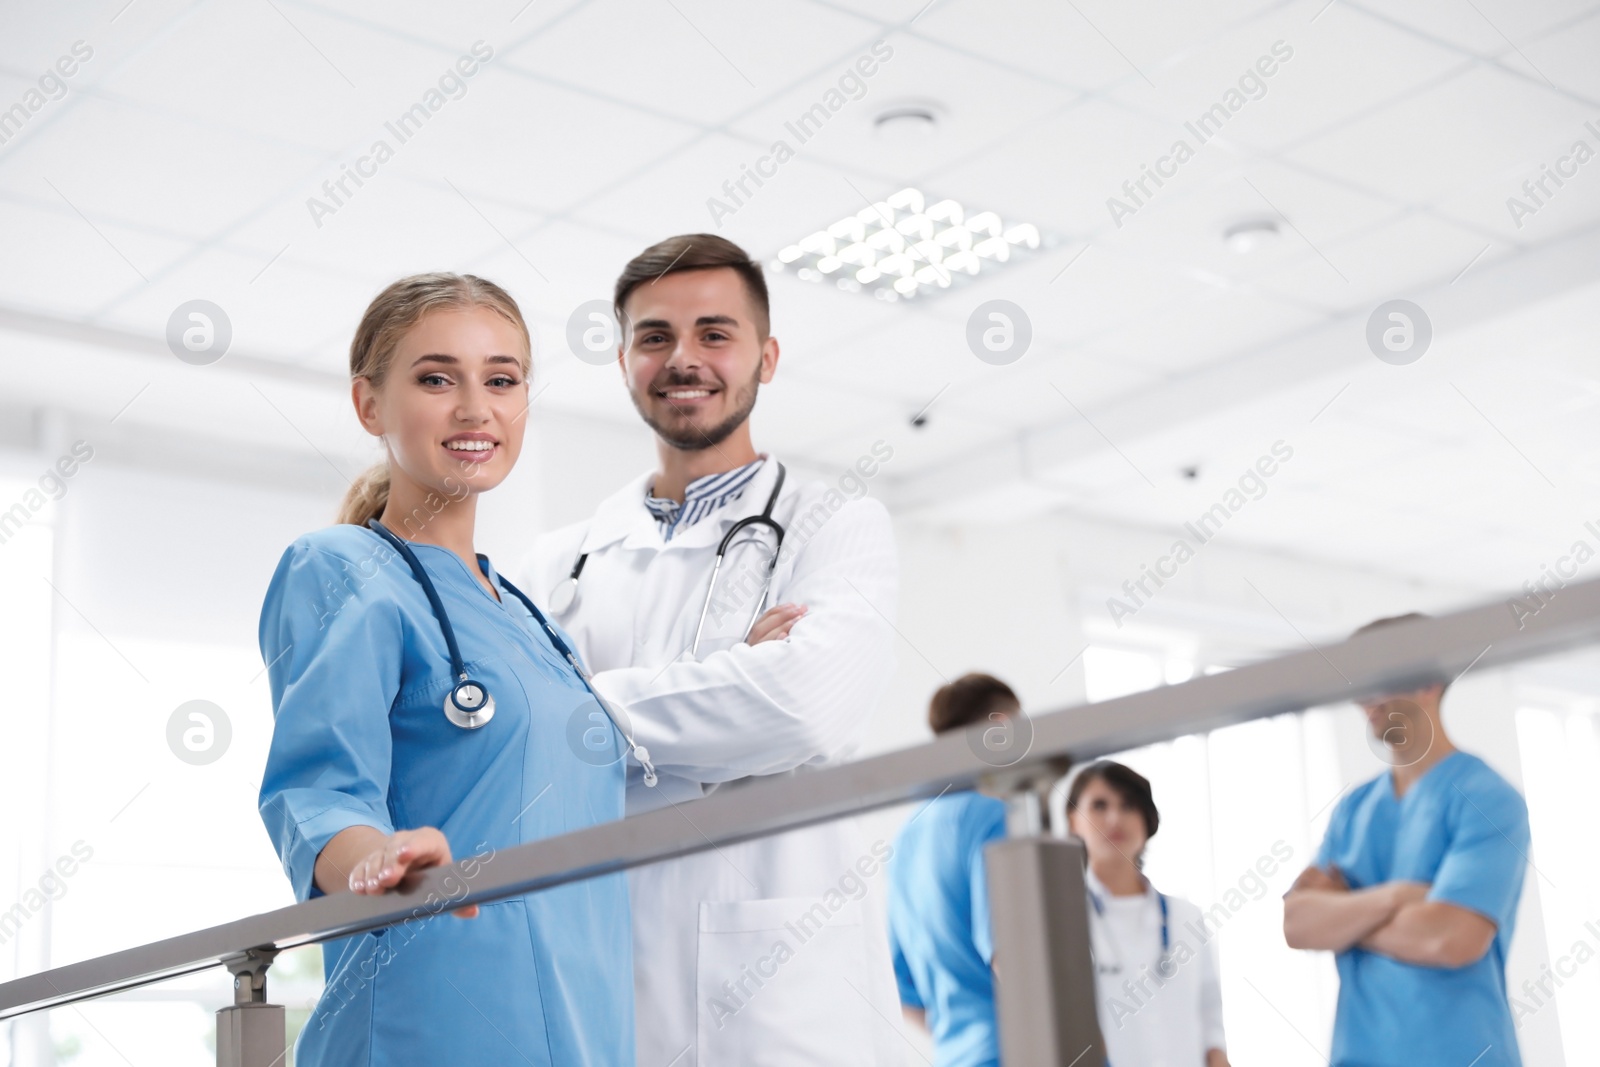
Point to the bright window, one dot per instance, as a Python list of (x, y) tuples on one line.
[(27, 890), (117, 840), (1561, 778)]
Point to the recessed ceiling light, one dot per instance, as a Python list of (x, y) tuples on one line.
[(908, 246), (907, 122), (1248, 235)]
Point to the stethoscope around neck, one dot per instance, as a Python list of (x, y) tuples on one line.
[(565, 593), (469, 703), (1163, 968)]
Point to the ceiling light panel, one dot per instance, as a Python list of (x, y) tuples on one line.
[(908, 247)]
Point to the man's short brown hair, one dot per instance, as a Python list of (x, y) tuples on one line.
[(969, 699), (696, 251), (1392, 620)]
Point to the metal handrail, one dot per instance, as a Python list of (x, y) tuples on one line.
[(1405, 655)]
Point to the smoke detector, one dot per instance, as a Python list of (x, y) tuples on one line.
[(1247, 235), (907, 122)]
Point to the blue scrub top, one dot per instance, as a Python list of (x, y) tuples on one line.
[(1463, 829), (359, 670), (939, 924)]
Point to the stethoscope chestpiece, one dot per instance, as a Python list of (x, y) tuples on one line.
[(469, 705)]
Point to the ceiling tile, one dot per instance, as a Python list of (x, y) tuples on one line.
[(1281, 78), (908, 363), (283, 74), (1566, 57), (1447, 137), (1551, 190), (497, 141), (1188, 230), (71, 265), (1063, 172), (1088, 44), (1488, 28), (394, 226), (705, 61), (1222, 322), (688, 193), (287, 310), (452, 26), (114, 160), (112, 33), (1091, 298), (1036, 390), (982, 105), (1413, 403), (1409, 254)]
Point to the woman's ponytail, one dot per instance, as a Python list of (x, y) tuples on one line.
[(367, 496)]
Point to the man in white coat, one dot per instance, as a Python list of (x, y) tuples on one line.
[(775, 951)]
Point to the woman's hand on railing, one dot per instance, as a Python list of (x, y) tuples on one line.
[(380, 863)]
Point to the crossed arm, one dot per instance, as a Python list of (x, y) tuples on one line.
[(1393, 919)]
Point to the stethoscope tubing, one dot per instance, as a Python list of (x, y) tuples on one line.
[(1166, 930), (458, 665), (764, 519), (566, 592)]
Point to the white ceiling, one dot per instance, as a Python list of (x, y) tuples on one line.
[(179, 164)]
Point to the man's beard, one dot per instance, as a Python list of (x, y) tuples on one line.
[(687, 437)]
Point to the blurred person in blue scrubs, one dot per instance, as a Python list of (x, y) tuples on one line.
[(367, 779), (1415, 891), (1158, 982), (939, 895)]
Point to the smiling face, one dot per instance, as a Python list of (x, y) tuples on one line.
[(693, 356), (450, 407), (1110, 827)]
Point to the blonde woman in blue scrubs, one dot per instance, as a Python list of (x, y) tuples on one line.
[(368, 780)]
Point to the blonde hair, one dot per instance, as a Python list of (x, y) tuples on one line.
[(391, 313)]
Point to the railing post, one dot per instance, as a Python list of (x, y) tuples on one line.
[(1039, 917), (251, 1032)]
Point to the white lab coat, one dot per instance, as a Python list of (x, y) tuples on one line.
[(1151, 1017), (774, 951)]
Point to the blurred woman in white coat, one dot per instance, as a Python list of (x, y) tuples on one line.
[(1157, 981)]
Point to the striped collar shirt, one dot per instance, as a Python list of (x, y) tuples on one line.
[(700, 498)]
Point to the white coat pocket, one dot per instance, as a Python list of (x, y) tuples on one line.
[(773, 984)]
